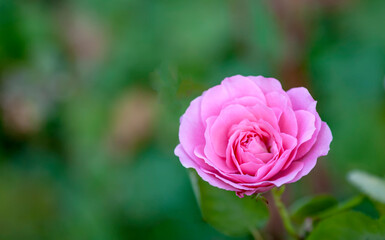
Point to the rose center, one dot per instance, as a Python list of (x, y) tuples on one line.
[(255, 144)]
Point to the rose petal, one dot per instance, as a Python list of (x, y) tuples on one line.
[(267, 84), (225, 179), (288, 174), (320, 148), (287, 120), (250, 168), (300, 98), (272, 168), (218, 135), (230, 88), (240, 86), (262, 112), (231, 152), (210, 155), (187, 162), (281, 178), (191, 130), (306, 125)]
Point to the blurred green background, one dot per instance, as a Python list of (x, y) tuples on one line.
[(91, 92)]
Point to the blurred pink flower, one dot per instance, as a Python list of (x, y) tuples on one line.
[(248, 135)]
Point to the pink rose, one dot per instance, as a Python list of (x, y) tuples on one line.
[(248, 135)]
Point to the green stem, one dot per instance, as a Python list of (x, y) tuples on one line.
[(283, 212), (256, 234)]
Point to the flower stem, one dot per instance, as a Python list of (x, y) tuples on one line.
[(277, 193), (256, 234)]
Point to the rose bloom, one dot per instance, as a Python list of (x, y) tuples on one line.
[(248, 135)]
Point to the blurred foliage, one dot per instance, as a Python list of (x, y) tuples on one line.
[(312, 207), (350, 225), (373, 186), (91, 93)]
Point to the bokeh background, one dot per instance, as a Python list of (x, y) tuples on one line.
[(91, 92)]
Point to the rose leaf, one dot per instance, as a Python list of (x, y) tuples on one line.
[(349, 225), (226, 212)]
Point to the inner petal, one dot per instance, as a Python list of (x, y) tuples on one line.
[(256, 145), (250, 168), (252, 145), (218, 131)]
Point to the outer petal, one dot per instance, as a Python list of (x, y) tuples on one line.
[(191, 130), (320, 148), (302, 100), (261, 189), (267, 84), (250, 168), (287, 120), (240, 86), (230, 88), (305, 146), (282, 178), (187, 162), (306, 125), (209, 155)]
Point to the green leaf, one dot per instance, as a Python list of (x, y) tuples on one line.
[(318, 208), (226, 212), (370, 185), (380, 208), (312, 207), (349, 225), (341, 207)]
